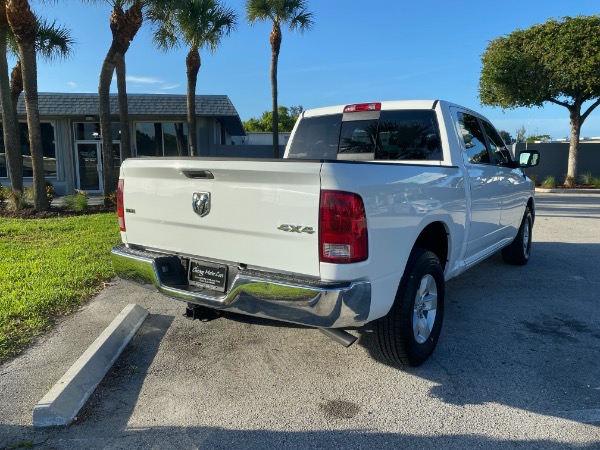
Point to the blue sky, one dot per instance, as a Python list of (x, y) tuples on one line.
[(357, 51)]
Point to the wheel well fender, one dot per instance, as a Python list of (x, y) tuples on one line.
[(435, 237)]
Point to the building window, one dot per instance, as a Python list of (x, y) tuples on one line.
[(90, 131), (48, 148), (161, 139)]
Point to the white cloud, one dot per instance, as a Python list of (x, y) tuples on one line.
[(143, 80), (72, 84), (168, 87)]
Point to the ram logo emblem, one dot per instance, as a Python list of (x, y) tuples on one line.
[(296, 229), (201, 203)]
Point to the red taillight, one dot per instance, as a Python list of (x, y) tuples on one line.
[(120, 209), (363, 107), (343, 228)]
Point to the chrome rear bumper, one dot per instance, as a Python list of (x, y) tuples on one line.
[(315, 304)]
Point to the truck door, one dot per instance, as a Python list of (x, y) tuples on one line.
[(512, 183), (484, 180)]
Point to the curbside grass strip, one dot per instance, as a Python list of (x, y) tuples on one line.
[(61, 404)]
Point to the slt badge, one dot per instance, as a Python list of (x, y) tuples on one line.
[(201, 203)]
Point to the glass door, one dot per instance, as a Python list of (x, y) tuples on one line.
[(89, 166)]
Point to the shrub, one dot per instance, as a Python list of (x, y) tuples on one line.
[(3, 196), (586, 178), (533, 177), (112, 199), (50, 194), (28, 197), (595, 182), (15, 200), (77, 201), (549, 182)]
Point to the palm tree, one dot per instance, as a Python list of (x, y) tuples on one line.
[(293, 13), (196, 24), (52, 42), (124, 25), (23, 24), (10, 125)]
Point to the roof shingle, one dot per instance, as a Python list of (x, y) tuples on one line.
[(72, 104)]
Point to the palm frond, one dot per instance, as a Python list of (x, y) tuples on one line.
[(260, 11), (302, 21), (201, 23), (294, 13), (53, 41)]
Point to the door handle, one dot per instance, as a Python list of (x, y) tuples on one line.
[(477, 184)]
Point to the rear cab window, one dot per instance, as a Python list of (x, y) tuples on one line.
[(389, 135)]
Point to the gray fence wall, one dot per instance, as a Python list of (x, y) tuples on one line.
[(554, 159)]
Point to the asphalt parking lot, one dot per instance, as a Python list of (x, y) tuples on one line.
[(517, 366)]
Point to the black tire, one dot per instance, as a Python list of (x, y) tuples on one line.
[(401, 340), (517, 253)]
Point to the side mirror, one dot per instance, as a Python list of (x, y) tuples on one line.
[(529, 158)]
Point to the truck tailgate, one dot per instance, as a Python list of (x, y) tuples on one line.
[(257, 212)]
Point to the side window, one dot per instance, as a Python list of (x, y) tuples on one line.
[(472, 135), (498, 151), (408, 134), (316, 138)]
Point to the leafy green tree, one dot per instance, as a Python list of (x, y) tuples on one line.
[(293, 13), (538, 137), (196, 24), (506, 137), (287, 120), (520, 133), (555, 62)]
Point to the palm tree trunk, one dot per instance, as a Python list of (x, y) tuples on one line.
[(16, 89), (123, 108), (124, 25), (192, 63), (109, 183), (10, 123), (275, 39), (29, 65), (22, 22)]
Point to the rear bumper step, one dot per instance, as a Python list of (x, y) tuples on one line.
[(312, 304)]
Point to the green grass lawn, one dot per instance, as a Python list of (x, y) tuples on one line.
[(48, 268)]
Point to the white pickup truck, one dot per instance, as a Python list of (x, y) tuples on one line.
[(373, 207)]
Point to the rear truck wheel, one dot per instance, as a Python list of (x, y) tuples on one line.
[(408, 334), (517, 253)]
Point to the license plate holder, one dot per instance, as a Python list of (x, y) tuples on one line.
[(208, 275)]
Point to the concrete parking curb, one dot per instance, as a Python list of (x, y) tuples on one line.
[(567, 191), (62, 403)]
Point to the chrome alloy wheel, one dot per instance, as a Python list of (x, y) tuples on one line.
[(425, 309)]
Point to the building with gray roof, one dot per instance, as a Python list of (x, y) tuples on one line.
[(158, 127)]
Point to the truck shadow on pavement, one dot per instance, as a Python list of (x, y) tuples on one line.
[(527, 337), (193, 437)]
